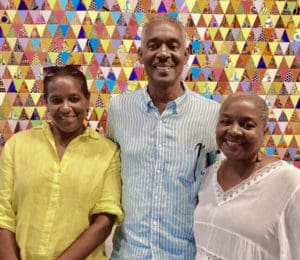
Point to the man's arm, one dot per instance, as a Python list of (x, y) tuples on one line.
[(90, 239), (8, 246)]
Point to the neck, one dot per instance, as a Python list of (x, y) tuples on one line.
[(161, 96), (62, 138)]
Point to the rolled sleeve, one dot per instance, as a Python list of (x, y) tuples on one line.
[(109, 200), (7, 214)]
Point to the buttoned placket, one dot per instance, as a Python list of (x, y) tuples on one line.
[(158, 179)]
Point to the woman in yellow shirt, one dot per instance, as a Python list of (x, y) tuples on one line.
[(59, 182)]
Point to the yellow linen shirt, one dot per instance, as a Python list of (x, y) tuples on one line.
[(47, 202)]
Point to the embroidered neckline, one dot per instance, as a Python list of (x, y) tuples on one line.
[(232, 193)]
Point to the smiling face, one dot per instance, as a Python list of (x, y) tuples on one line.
[(67, 104), (163, 53), (240, 129)]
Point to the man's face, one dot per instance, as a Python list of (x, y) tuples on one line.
[(163, 54)]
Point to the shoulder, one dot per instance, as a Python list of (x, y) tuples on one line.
[(124, 98), (101, 141), (203, 101)]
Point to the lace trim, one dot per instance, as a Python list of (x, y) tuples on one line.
[(203, 254), (233, 192)]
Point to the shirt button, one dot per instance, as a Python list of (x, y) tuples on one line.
[(156, 197), (158, 171), (57, 174), (154, 223)]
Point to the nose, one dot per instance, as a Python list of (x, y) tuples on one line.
[(65, 106), (235, 129), (163, 51)]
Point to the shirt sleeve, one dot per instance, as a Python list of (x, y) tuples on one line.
[(7, 214), (289, 229), (109, 122), (109, 200)]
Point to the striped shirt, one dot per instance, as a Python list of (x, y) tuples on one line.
[(163, 156)]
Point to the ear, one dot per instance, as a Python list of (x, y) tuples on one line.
[(186, 55), (140, 55)]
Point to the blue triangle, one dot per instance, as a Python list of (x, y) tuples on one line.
[(99, 3), (195, 72), (121, 30), (116, 43), (162, 8), (207, 45), (22, 6), (63, 4), (64, 56), (64, 29), (11, 87), (116, 16), (139, 17), (81, 33), (133, 75), (94, 43), (285, 37), (52, 29), (111, 76), (206, 72), (99, 56), (271, 126), (174, 15), (196, 45), (261, 64), (293, 152), (70, 15), (110, 84), (270, 150), (99, 84), (35, 43)]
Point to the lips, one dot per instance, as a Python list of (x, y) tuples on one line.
[(233, 143)]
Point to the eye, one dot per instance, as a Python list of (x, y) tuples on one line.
[(249, 125), (74, 99), (152, 46), (174, 46), (55, 100), (224, 121)]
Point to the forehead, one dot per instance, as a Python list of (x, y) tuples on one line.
[(240, 106), (163, 30), (64, 83)]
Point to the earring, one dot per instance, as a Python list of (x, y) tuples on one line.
[(258, 158)]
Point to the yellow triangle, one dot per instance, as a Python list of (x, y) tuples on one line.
[(52, 4), (207, 18), (223, 31), (280, 5), (273, 46), (53, 56), (296, 19), (276, 139), (28, 28), (41, 28), (212, 31), (11, 15), (229, 18), (190, 4), (289, 60), (18, 83), (274, 18), (105, 44), (41, 110), (278, 59), (29, 111), (288, 112), (11, 42), (219, 46), (294, 99), (132, 85), (35, 97), (288, 139), (241, 18), (240, 45), (12, 69), (104, 16), (87, 29), (285, 19), (92, 14), (29, 84), (224, 5), (127, 44), (87, 3), (76, 28), (76, 58), (252, 18), (297, 138), (110, 29), (127, 71), (255, 59), (99, 111), (263, 18), (88, 56), (5, 28)]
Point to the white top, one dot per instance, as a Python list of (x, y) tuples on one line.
[(258, 219)]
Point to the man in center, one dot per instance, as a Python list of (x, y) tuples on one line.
[(165, 132)]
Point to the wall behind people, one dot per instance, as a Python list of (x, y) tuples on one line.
[(234, 46)]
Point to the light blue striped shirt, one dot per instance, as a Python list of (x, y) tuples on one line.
[(160, 171)]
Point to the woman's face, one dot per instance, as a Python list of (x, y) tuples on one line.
[(66, 104), (240, 129)]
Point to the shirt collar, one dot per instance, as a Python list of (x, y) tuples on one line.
[(89, 131), (175, 105)]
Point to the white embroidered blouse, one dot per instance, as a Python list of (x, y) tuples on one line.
[(259, 219)]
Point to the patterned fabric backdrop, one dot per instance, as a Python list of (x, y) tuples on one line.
[(234, 46)]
